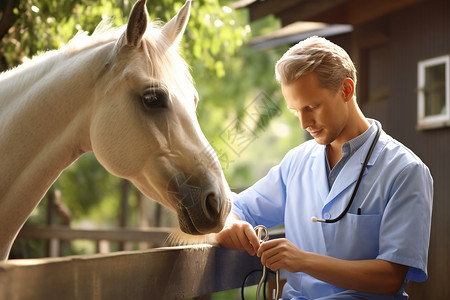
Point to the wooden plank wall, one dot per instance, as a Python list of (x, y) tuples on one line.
[(407, 36)]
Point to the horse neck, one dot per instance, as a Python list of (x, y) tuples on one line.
[(44, 125)]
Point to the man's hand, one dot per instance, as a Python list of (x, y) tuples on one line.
[(280, 254), (369, 276), (239, 235)]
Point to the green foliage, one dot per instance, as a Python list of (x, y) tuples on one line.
[(49, 24), (246, 147), (86, 184)]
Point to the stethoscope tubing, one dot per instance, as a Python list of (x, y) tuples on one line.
[(355, 190)]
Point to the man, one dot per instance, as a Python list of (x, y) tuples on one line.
[(382, 241)]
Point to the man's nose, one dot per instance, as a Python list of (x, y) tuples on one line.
[(305, 120)]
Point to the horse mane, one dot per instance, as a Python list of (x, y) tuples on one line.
[(103, 33), (159, 52), (40, 64)]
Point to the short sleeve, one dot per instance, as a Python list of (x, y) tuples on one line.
[(264, 202), (406, 223)]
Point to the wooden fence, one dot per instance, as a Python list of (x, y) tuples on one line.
[(158, 273), (150, 237), (161, 273)]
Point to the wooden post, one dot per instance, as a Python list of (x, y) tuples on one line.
[(124, 209), (63, 217), (52, 220), (158, 215), (103, 246), (143, 219)]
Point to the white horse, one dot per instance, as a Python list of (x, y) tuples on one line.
[(125, 95)]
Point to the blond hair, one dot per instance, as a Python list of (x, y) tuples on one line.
[(331, 63)]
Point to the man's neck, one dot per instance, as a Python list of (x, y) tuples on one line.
[(351, 131)]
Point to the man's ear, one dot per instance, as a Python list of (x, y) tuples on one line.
[(348, 89)]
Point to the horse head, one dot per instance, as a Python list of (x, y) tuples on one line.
[(144, 127)]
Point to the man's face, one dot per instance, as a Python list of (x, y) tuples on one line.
[(322, 112)]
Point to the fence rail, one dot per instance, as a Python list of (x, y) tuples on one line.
[(150, 237), (158, 273), (161, 273), (156, 235)]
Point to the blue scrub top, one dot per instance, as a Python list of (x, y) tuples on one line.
[(395, 198)]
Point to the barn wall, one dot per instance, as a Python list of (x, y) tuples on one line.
[(387, 52)]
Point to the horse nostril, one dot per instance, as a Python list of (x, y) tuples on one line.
[(212, 206)]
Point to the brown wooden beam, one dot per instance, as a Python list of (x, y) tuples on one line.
[(156, 235), (8, 17), (363, 11), (309, 10), (351, 12), (260, 9)]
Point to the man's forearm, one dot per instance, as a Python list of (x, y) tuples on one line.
[(369, 276)]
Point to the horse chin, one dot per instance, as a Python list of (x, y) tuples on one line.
[(188, 234), (188, 226)]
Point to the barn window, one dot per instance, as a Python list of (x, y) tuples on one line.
[(433, 96)]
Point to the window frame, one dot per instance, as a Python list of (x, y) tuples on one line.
[(434, 121)]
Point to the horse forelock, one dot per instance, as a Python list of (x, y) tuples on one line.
[(164, 59), (156, 61), (103, 33), (43, 62)]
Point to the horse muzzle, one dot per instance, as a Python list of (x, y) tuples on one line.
[(208, 216), (200, 210)]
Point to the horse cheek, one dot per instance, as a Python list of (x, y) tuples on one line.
[(112, 145)]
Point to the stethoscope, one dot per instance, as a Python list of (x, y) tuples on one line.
[(314, 219), (262, 238)]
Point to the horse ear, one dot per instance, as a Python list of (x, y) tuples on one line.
[(137, 24), (174, 29)]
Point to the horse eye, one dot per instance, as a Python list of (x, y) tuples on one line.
[(154, 99)]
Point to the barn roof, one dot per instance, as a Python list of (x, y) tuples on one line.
[(334, 17)]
